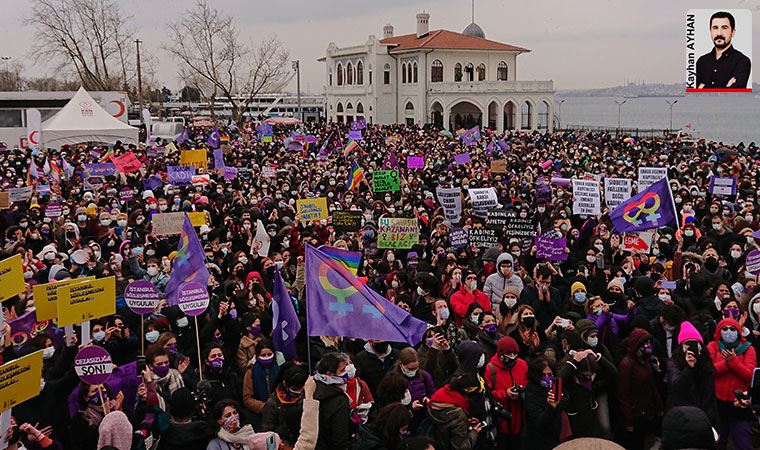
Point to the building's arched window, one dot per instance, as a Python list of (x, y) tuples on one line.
[(403, 73), (359, 73), (502, 72), (482, 72), (409, 72), (458, 72), (359, 108), (469, 72), (329, 77), (339, 108), (349, 106), (387, 74), (414, 72), (369, 72), (349, 73), (339, 69), (436, 71)]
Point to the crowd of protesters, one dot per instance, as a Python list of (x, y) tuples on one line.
[(521, 353)]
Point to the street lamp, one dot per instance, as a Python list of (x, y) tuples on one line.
[(671, 113), (297, 67), (620, 109), (560, 113)]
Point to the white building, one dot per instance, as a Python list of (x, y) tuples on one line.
[(440, 77)]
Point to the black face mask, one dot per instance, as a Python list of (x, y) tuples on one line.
[(711, 264), (380, 347), (615, 297), (507, 361)]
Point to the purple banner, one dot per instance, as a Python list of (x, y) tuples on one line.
[(180, 175), (26, 328), (551, 248), (218, 159), (230, 173), (93, 365), (415, 162), (543, 192), (53, 210), (459, 237), (462, 158), (126, 194), (752, 263), (723, 186), (152, 183), (355, 135), (142, 296), (99, 169)]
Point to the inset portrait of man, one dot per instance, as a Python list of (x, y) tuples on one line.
[(724, 66)]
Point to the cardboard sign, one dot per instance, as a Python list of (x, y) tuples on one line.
[(497, 218), (166, 224), (20, 380), (194, 158), (127, 163), (312, 208), (650, 175), (46, 297), (385, 181), (347, 221), (586, 200), (80, 302), (5, 200), (499, 166), (551, 248), (616, 191), (638, 242), (482, 200), (451, 200), (11, 277), (483, 237), (415, 162), (395, 232), (21, 194), (93, 365)]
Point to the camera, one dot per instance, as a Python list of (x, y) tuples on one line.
[(518, 389), (500, 413)]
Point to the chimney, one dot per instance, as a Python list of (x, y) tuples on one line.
[(422, 24), (387, 31)]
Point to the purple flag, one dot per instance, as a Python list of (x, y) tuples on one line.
[(26, 327), (218, 159), (650, 208), (338, 304), (230, 173), (123, 379), (152, 183), (295, 146), (214, 140), (359, 124), (183, 137), (471, 136), (490, 147), (391, 161), (285, 324), (503, 146), (189, 263), (462, 158)]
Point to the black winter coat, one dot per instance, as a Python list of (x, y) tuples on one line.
[(334, 418)]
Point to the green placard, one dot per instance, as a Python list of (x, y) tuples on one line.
[(385, 181), (396, 232)]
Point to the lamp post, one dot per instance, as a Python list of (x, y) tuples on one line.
[(139, 80), (560, 113), (297, 68), (671, 113), (620, 110)]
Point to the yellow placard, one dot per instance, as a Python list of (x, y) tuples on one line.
[(80, 302), (197, 218), (46, 296), (170, 148), (312, 208), (195, 158), (11, 277), (20, 380)]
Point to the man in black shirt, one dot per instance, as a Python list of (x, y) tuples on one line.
[(724, 66)]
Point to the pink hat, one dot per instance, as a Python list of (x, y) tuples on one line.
[(688, 332)]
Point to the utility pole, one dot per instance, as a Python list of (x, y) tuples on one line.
[(139, 79), (671, 113), (620, 109), (297, 68)]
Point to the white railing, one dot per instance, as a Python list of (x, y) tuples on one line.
[(492, 86)]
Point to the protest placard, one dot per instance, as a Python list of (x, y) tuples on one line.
[(197, 218), (462, 158), (193, 298), (126, 194), (483, 237), (126, 163), (752, 263), (415, 162), (21, 194), (385, 181), (93, 365), (268, 172), (497, 218), (167, 224), (459, 237), (551, 248), (11, 277), (142, 296), (20, 380), (499, 166), (723, 186), (451, 200), (80, 302), (347, 221), (638, 242), (312, 208), (586, 198), (395, 232), (199, 180), (522, 227), (194, 158), (180, 175), (616, 191), (99, 169), (482, 200), (46, 297), (650, 175), (5, 200)]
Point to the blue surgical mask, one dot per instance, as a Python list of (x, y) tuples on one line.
[(580, 297), (729, 336), (99, 335)]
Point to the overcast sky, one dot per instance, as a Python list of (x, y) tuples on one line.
[(576, 43)]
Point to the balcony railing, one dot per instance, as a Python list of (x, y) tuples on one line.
[(492, 86)]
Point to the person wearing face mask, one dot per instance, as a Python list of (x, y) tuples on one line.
[(753, 312), (359, 394), (734, 360), (421, 385), (284, 407), (232, 433), (639, 378), (578, 372), (506, 376), (467, 295), (374, 361), (220, 381), (334, 405), (390, 429), (159, 380), (508, 309), (260, 380), (450, 411), (497, 282)]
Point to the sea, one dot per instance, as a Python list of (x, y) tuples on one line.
[(726, 118)]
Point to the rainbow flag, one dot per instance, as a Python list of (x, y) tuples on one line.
[(356, 176), (108, 155), (350, 260), (224, 139), (351, 146)]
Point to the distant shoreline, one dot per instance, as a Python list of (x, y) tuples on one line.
[(638, 91)]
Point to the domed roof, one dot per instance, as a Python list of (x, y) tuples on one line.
[(474, 29)]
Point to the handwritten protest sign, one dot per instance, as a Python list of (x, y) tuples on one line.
[(395, 232), (616, 191), (194, 158), (415, 162), (46, 297), (483, 237), (551, 248), (482, 200), (385, 181), (80, 302), (650, 175), (20, 380), (127, 163), (451, 200), (312, 208), (11, 277), (586, 201), (180, 175), (459, 237), (347, 221)]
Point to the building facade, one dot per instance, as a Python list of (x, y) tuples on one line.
[(441, 77)]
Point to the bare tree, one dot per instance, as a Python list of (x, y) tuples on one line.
[(206, 44), (51, 84), (10, 76), (88, 37)]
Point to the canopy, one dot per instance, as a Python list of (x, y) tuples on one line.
[(83, 120)]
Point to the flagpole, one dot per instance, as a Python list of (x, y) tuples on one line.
[(308, 328)]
